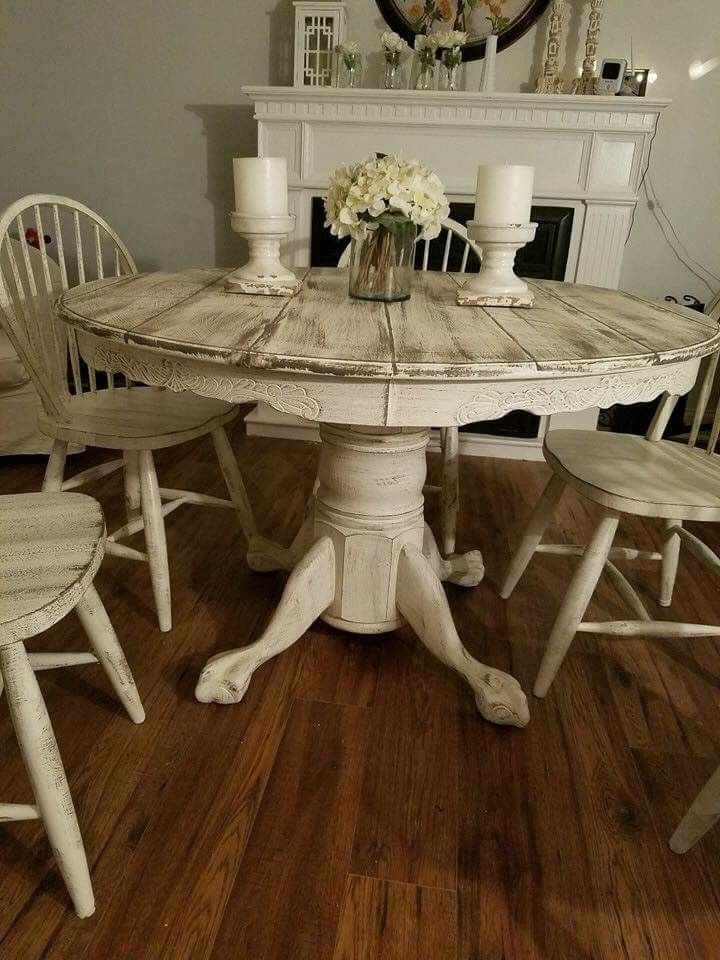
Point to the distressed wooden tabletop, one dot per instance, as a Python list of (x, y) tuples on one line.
[(571, 329)]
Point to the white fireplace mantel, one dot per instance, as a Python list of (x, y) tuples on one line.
[(589, 154)]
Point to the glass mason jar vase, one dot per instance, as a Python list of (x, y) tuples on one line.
[(424, 70), (393, 76), (450, 61), (382, 264), (350, 70)]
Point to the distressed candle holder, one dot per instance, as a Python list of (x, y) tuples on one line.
[(263, 274), (496, 284)]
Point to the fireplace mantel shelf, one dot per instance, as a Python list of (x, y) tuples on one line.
[(394, 103)]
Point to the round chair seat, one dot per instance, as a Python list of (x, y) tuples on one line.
[(142, 418), (51, 545), (634, 475)]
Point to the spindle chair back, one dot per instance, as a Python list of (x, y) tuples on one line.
[(74, 246), (453, 251)]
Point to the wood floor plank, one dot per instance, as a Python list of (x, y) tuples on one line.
[(523, 886), (340, 668), (614, 817), (396, 921), (287, 897), (193, 876), (407, 824), (670, 786)]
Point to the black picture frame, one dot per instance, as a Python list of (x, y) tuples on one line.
[(475, 50)]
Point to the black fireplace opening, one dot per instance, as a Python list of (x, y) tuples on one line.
[(543, 259)]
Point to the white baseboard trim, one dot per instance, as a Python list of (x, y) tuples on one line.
[(264, 421)]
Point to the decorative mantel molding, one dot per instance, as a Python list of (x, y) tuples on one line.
[(551, 112)]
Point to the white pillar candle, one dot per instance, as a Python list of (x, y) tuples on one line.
[(261, 186), (504, 194)]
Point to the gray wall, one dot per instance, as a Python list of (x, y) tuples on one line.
[(136, 110)]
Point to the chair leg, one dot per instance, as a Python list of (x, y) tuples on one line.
[(578, 596), (703, 814), (669, 567), (449, 489), (536, 527), (55, 470), (131, 480), (155, 542), (45, 769), (233, 479), (104, 642)]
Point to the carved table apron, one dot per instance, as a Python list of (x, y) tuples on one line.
[(377, 377)]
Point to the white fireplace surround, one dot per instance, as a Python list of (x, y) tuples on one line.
[(589, 154)]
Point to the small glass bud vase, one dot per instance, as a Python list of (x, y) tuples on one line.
[(382, 264), (350, 70), (393, 75), (424, 70), (450, 66)]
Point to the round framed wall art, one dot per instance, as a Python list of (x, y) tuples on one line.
[(509, 19)]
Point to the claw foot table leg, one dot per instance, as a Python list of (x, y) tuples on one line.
[(309, 590), (422, 601), (464, 569)]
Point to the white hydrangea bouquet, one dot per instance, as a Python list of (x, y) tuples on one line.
[(381, 203)]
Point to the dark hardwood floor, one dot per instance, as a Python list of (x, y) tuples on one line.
[(355, 806)]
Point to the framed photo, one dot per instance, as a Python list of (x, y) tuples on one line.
[(509, 19)]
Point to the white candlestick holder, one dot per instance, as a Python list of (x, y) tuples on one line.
[(496, 284), (263, 274)]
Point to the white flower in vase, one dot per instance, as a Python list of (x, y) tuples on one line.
[(425, 47), (426, 42), (451, 43), (451, 39), (349, 53), (393, 46), (392, 43)]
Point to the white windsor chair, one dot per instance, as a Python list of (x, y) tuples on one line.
[(455, 257), (51, 545), (624, 474), (80, 406), (648, 477)]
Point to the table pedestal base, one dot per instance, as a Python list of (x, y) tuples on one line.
[(365, 561)]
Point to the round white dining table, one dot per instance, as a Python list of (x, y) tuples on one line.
[(376, 377)]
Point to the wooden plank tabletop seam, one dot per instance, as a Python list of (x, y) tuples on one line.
[(644, 346), (321, 331)]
